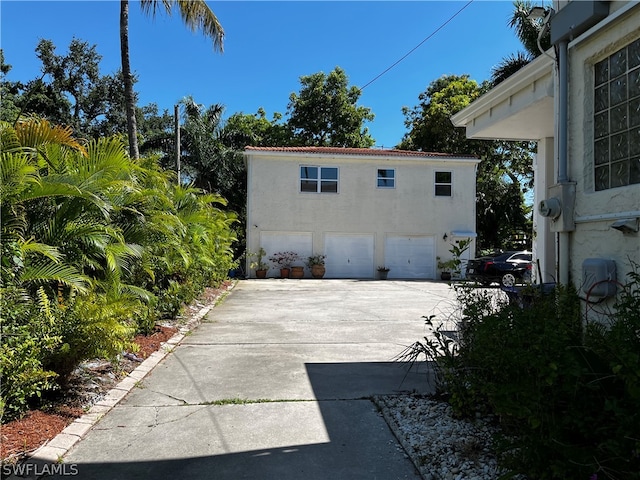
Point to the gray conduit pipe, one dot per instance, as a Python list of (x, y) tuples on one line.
[(563, 88)]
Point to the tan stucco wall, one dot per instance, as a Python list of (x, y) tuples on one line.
[(595, 211), (275, 203)]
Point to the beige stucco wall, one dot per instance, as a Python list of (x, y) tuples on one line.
[(275, 203), (595, 211)]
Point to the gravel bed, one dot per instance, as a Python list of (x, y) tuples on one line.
[(440, 446)]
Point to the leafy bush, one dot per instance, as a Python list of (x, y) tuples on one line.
[(567, 393), (95, 325), (88, 236), (26, 338)]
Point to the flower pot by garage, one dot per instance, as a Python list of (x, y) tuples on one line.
[(261, 273), (317, 271), (445, 276), (383, 274), (297, 272), (284, 272)]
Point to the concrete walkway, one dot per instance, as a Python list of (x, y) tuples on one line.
[(274, 384)]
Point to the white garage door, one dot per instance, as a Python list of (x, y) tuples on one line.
[(349, 256), (300, 243), (410, 256)]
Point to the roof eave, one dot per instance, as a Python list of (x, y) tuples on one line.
[(521, 80)]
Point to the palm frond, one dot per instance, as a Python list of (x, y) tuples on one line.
[(508, 66), (36, 132), (17, 173), (45, 272), (196, 15), (49, 251), (9, 141)]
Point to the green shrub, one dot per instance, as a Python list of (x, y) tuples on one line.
[(567, 394), (93, 325), (26, 339)]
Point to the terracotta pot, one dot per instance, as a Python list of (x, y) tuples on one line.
[(284, 272), (317, 271), (261, 274), (297, 272)]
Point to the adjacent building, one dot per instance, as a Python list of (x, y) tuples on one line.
[(362, 208)]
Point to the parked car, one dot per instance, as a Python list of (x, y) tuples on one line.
[(507, 268)]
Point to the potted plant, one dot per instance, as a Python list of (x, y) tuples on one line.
[(260, 266), (383, 272), (451, 268), (445, 268), (316, 265), (283, 261)]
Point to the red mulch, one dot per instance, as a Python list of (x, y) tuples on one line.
[(23, 436)]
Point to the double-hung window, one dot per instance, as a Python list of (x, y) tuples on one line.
[(443, 184), (617, 119), (386, 178), (315, 179)]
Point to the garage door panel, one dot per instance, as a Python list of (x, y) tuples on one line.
[(410, 256), (349, 256)]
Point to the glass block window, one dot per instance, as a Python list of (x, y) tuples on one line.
[(443, 184), (617, 119), (318, 179), (386, 178)]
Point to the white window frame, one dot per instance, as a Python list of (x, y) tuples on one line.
[(443, 184), (319, 181), (385, 178)]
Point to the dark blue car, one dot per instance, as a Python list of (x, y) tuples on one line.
[(506, 268)]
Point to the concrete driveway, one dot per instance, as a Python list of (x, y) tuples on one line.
[(274, 384)]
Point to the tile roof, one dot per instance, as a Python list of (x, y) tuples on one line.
[(356, 151)]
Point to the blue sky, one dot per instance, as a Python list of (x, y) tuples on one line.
[(270, 45)]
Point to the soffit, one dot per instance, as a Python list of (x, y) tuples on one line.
[(519, 108)]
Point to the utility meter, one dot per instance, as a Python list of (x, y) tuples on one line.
[(550, 208)]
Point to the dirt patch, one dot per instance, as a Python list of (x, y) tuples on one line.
[(88, 384)]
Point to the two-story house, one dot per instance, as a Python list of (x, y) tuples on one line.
[(362, 208)]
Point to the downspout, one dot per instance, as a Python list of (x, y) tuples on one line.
[(563, 109)]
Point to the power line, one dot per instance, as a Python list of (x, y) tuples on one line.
[(418, 46)]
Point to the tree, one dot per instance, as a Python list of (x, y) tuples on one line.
[(505, 169), (242, 130), (9, 92), (527, 31), (325, 112), (89, 99), (71, 91), (196, 15)]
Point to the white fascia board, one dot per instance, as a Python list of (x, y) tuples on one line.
[(522, 79)]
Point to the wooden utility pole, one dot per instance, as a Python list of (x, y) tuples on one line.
[(176, 119)]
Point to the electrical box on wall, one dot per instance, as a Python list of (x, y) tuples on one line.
[(598, 277), (559, 206)]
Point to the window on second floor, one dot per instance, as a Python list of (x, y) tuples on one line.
[(617, 119), (386, 178), (315, 179), (443, 184)]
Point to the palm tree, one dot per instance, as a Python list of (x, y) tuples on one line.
[(527, 31), (196, 15)]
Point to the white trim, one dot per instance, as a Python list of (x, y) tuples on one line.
[(523, 78), (606, 217)]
